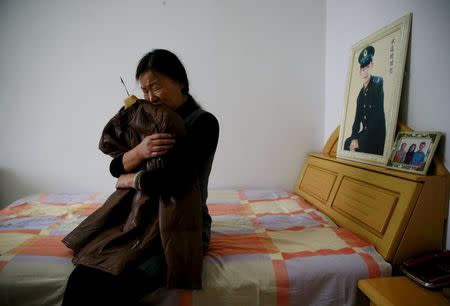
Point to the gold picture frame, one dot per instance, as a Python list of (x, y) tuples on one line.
[(372, 97), (413, 151)]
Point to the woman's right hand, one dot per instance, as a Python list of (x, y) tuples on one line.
[(151, 146), (155, 145)]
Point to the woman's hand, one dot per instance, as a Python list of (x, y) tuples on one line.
[(155, 145), (151, 146), (125, 181)]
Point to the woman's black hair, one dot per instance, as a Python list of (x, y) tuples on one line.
[(166, 63)]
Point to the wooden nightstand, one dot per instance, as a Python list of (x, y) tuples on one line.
[(401, 291)]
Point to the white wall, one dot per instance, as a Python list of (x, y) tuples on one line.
[(258, 65), (425, 103)]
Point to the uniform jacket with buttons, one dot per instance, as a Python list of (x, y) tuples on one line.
[(369, 126)]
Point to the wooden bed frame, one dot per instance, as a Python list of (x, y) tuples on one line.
[(402, 214)]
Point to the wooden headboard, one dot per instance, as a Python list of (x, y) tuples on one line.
[(402, 214)]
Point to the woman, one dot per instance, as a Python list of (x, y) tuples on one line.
[(163, 80), (409, 155)]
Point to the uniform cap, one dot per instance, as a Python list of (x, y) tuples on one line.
[(365, 57)]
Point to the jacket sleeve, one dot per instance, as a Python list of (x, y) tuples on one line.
[(183, 162), (358, 117), (112, 140), (381, 120)]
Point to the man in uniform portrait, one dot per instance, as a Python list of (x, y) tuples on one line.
[(369, 126)]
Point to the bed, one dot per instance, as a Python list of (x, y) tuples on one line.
[(344, 221)]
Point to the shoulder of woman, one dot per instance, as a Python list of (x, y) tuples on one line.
[(205, 121), (207, 118)]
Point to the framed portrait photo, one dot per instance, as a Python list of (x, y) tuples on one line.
[(372, 96), (413, 151)]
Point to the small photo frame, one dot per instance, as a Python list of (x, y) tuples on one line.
[(413, 151)]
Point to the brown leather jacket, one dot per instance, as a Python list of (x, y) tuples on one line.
[(130, 224)]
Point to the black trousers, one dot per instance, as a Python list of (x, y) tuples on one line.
[(90, 286)]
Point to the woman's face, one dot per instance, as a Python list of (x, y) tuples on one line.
[(412, 148), (158, 88)]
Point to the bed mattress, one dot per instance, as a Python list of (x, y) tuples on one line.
[(268, 247)]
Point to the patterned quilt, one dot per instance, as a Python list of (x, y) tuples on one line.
[(268, 247)]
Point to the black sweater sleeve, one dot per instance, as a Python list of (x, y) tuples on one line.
[(116, 166)]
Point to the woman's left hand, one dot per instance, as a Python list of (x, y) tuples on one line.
[(125, 181)]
